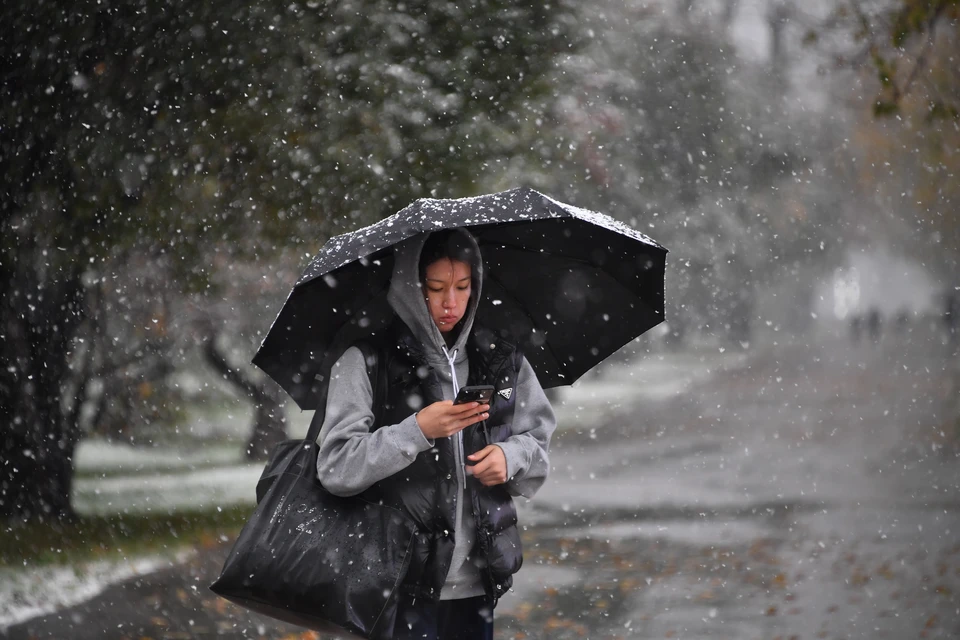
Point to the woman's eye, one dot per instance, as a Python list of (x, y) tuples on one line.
[(463, 288)]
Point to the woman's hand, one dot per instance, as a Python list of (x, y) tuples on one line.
[(490, 465), (442, 419)]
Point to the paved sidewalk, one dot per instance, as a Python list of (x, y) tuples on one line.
[(801, 495)]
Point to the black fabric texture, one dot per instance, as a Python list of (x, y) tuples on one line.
[(466, 619), (296, 559)]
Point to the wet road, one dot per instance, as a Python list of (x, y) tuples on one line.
[(805, 494), (802, 492)]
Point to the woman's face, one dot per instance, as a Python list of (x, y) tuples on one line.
[(447, 291)]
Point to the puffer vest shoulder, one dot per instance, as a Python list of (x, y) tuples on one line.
[(427, 489)]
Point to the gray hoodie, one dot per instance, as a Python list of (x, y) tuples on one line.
[(352, 458)]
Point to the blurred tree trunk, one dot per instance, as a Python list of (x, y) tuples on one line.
[(269, 423), (686, 7), (38, 318), (778, 16), (269, 427), (952, 427), (728, 13)]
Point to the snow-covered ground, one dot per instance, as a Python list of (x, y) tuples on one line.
[(593, 400), (28, 593), (99, 457), (204, 489)]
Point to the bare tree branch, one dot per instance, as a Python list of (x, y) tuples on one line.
[(232, 374), (921, 59)]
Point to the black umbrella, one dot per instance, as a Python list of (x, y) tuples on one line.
[(572, 286)]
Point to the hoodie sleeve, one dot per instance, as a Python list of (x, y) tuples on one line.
[(352, 458), (526, 451)]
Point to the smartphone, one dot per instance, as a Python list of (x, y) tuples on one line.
[(482, 393)]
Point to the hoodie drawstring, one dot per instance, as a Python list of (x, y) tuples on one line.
[(451, 357)]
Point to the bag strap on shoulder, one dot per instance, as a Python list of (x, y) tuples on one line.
[(371, 358)]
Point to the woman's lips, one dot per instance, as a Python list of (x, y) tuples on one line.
[(448, 319)]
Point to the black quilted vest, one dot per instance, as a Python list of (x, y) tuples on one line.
[(427, 489)]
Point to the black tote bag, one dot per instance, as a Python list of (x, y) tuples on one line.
[(315, 559)]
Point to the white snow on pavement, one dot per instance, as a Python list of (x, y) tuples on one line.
[(653, 378), (194, 490), (31, 592), (98, 456), (694, 532)]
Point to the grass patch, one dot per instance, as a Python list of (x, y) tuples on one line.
[(93, 538)]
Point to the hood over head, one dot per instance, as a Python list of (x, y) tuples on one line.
[(407, 298)]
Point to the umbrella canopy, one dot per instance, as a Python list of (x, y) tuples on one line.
[(571, 286)]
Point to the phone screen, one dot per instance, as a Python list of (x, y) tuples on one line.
[(475, 393)]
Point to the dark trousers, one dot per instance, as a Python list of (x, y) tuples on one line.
[(464, 619)]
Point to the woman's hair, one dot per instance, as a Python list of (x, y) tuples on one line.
[(450, 243)]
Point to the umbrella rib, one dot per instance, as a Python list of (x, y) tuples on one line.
[(583, 263), (561, 256), (552, 254), (532, 321)]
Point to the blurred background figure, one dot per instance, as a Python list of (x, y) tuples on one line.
[(951, 316), (901, 322), (874, 323), (856, 328)]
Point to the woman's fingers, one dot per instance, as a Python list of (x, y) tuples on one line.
[(470, 413), (468, 408), (491, 466), (459, 424), (444, 418), (474, 418)]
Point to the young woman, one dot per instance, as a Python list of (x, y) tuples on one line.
[(392, 432)]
